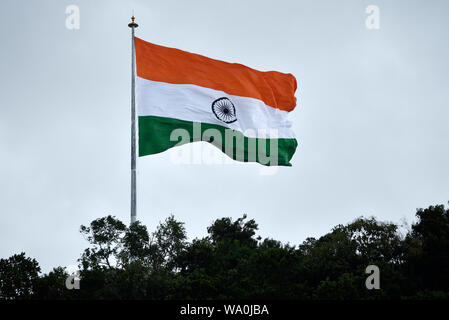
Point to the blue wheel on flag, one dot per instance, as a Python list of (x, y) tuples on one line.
[(224, 110)]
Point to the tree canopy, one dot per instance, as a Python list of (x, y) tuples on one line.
[(232, 262)]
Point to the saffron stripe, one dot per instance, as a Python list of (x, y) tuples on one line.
[(175, 66)]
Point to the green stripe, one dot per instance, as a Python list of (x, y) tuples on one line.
[(154, 137)]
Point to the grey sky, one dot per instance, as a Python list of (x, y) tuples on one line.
[(372, 118)]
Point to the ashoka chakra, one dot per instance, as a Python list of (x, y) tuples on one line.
[(224, 110)]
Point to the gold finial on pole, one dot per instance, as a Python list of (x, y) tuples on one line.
[(133, 24)]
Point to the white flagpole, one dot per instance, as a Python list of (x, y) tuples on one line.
[(133, 25)]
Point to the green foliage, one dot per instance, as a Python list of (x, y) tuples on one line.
[(52, 285), (169, 240), (233, 263), (345, 287), (106, 238), (18, 276), (136, 245), (225, 229), (428, 247)]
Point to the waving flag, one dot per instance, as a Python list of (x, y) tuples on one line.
[(184, 97)]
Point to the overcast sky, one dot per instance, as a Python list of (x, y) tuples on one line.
[(371, 120)]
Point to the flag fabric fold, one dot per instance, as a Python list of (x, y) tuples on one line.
[(184, 97)]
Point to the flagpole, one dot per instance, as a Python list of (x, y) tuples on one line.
[(133, 25)]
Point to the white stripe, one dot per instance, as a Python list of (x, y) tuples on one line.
[(194, 103)]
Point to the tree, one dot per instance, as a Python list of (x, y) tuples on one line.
[(349, 249), (225, 229), (136, 245), (52, 285), (168, 241), (345, 287), (18, 276), (233, 263), (126, 262), (105, 235), (428, 248)]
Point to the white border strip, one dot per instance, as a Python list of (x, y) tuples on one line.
[(194, 103)]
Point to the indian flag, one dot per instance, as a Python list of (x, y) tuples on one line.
[(184, 97)]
